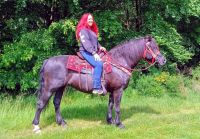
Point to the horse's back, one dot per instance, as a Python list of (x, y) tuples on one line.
[(59, 58), (54, 72)]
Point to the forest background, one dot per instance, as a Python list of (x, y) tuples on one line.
[(34, 30)]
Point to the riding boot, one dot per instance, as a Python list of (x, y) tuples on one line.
[(98, 91), (103, 88)]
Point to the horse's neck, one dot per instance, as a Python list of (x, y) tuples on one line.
[(130, 57)]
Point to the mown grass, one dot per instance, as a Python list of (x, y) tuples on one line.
[(144, 117)]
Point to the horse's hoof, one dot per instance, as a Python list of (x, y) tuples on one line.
[(38, 132), (104, 94), (36, 129), (121, 126), (63, 124), (110, 122)]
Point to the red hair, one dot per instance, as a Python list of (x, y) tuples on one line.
[(83, 24)]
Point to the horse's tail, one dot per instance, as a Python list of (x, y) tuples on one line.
[(41, 85)]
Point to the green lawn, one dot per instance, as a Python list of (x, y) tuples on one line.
[(144, 118)]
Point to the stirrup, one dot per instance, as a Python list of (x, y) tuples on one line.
[(98, 91)]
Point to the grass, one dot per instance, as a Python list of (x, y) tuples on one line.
[(144, 117)]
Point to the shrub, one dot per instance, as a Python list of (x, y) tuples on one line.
[(195, 85), (22, 59), (162, 83), (196, 73), (175, 85), (148, 86)]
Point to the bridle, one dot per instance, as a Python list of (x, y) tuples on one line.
[(149, 50)]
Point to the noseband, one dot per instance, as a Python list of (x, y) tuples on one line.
[(149, 50)]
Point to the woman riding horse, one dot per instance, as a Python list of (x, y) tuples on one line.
[(87, 33), (55, 77)]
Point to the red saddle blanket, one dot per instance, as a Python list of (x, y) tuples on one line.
[(75, 63)]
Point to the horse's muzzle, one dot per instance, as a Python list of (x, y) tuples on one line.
[(161, 60)]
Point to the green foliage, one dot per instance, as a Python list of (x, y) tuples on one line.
[(22, 59), (173, 83), (33, 30), (196, 73), (64, 34), (194, 8), (159, 84), (109, 26), (22, 56), (168, 38), (143, 117), (177, 9), (149, 87), (194, 81), (174, 24)]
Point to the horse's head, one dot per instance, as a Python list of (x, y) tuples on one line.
[(152, 53)]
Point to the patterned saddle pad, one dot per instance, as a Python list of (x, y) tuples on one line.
[(77, 64)]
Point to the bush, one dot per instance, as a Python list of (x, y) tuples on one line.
[(175, 86), (195, 85), (196, 73), (159, 84), (148, 86), (22, 59)]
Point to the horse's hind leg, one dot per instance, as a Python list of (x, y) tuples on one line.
[(56, 102), (43, 99), (110, 107)]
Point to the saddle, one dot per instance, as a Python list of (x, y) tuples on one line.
[(79, 64)]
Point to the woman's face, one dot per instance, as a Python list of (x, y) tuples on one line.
[(90, 20)]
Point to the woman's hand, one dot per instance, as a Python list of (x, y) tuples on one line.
[(97, 57), (103, 49)]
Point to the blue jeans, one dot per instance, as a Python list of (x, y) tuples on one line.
[(98, 67)]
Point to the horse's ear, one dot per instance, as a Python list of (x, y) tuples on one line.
[(148, 38)]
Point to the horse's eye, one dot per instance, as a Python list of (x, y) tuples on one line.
[(148, 43)]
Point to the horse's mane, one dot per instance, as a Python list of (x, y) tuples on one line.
[(122, 48), (126, 41)]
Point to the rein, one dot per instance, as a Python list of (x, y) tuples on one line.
[(129, 70)]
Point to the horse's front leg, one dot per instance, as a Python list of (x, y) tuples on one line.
[(110, 107), (117, 100)]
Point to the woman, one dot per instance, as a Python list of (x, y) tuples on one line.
[(87, 34)]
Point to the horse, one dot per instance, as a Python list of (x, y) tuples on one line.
[(55, 77)]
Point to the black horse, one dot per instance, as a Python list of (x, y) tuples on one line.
[(55, 77)]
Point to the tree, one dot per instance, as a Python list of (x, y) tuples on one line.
[(33, 30)]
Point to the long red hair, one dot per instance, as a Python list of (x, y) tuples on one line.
[(83, 24)]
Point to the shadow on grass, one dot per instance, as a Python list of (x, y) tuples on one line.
[(98, 113)]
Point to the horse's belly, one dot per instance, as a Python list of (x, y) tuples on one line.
[(82, 82)]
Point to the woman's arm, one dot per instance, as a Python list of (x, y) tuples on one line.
[(84, 39), (101, 48)]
